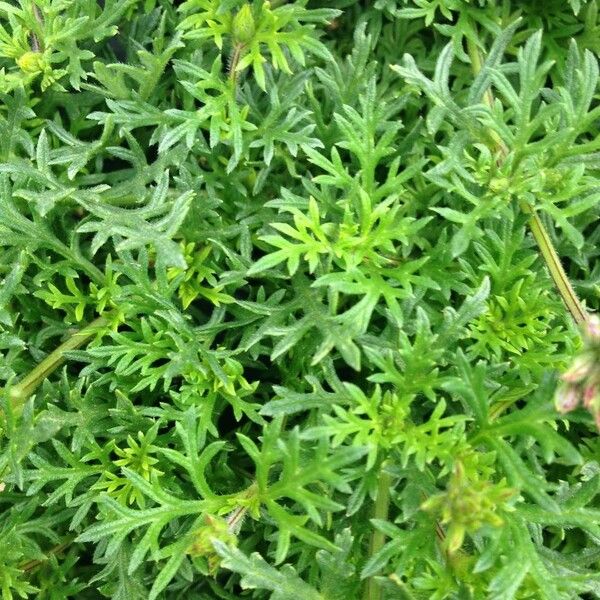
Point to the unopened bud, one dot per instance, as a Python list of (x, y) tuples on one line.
[(499, 184), (591, 396), (579, 369), (214, 527), (567, 398), (243, 26), (30, 62), (592, 329), (456, 536)]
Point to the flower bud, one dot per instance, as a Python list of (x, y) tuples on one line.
[(592, 329), (567, 398), (456, 536), (30, 62), (591, 396), (580, 368), (214, 527), (243, 27), (499, 184)]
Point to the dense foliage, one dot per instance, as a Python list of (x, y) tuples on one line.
[(281, 312)]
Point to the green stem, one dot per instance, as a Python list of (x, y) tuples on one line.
[(32, 564), (382, 505), (555, 268), (23, 390), (402, 592), (541, 236)]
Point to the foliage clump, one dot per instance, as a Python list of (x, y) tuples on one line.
[(298, 299)]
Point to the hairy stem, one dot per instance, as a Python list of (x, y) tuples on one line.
[(36, 46), (552, 260), (32, 564), (23, 390), (402, 592), (541, 236), (233, 63), (382, 504)]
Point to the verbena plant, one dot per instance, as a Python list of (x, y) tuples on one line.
[(287, 289)]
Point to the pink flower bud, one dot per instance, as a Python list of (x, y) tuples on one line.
[(567, 398), (591, 395), (592, 329), (580, 368)]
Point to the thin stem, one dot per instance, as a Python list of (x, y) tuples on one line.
[(382, 504), (402, 592), (23, 390), (555, 268), (235, 59), (32, 564), (36, 46), (541, 236)]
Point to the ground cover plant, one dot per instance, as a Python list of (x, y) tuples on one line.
[(297, 299)]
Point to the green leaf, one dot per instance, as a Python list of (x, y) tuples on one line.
[(258, 574)]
